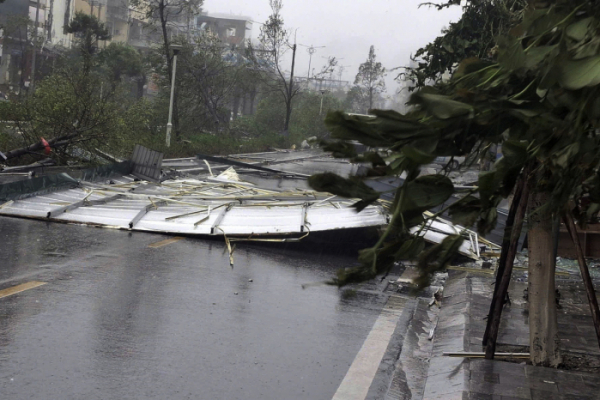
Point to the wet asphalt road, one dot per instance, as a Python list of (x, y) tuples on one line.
[(117, 319)]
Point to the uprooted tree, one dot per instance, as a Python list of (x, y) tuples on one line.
[(539, 96)]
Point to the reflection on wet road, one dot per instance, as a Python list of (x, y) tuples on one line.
[(120, 319)]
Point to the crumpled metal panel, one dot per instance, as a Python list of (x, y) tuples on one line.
[(198, 207)]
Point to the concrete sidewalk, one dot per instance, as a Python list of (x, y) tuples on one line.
[(460, 328)]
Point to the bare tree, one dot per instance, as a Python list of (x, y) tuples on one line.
[(274, 42)]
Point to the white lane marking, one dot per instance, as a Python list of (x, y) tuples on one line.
[(359, 377)]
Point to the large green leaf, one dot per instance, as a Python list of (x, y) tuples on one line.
[(511, 55), (426, 192), (537, 54), (351, 188), (576, 74), (468, 66), (588, 48), (410, 249), (416, 155), (354, 127), (566, 155), (466, 211), (578, 30), (339, 149), (437, 257), (488, 184), (441, 106)]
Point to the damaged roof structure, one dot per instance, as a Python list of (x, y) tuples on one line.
[(258, 196)]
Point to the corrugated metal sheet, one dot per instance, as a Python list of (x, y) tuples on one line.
[(197, 207), (146, 163)]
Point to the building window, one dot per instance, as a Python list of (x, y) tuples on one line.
[(231, 32)]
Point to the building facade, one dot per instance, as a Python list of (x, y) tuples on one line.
[(230, 29)]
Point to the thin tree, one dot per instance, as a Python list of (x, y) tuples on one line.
[(88, 31), (169, 16), (370, 77), (274, 43)]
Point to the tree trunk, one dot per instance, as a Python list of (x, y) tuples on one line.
[(39, 146), (290, 96), (288, 114), (167, 48), (235, 106), (253, 94), (141, 82), (543, 327)]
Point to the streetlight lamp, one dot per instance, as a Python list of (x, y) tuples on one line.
[(176, 49)]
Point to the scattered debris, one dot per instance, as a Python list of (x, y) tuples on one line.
[(432, 330), (438, 229)]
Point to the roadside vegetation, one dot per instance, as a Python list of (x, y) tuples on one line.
[(99, 98)]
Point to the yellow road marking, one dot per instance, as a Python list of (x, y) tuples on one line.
[(20, 288), (165, 242)]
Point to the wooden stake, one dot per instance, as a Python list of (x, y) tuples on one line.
[(506, 240), (585, 273), (500, 295)]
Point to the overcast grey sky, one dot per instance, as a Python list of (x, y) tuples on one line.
[(347, 28)]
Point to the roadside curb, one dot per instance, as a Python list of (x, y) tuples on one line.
[(448, 377)]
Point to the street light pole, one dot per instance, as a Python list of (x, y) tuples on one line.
[(311, 50), (169, 124)]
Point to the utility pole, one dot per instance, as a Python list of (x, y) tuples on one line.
[(35, 32)]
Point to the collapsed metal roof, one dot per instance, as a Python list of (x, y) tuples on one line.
[(246, 196)]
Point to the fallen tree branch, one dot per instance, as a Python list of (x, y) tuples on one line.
[(59, 141)]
